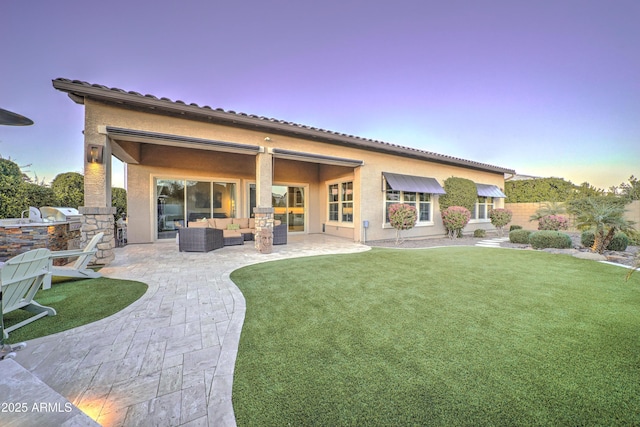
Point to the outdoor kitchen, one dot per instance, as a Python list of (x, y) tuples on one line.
[(53, 228)]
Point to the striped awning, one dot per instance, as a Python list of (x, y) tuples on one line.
[(417, 184), (487, 190)]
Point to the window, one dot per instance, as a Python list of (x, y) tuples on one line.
[(482, 208), (347, 201), (340, 202), (420, 201)]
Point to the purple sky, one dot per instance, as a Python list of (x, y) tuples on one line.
[(548, 88)]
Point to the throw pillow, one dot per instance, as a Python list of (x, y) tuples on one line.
[(233, 227)]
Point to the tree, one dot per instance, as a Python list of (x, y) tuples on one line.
[(460, 192), (631, 191), (605, 215), (69, 189), (10, 182), (402, 217), (119, 201), (17, 192)]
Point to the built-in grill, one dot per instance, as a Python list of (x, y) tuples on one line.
[(62, 214)]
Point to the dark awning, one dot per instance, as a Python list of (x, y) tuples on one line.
[(417, 184), (486, 190)]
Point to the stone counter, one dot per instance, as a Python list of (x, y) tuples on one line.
[(19, 238)]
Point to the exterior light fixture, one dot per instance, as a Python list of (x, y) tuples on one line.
[(94, 153)]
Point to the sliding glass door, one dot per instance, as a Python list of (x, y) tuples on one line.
[(289, 205), (180, 201)]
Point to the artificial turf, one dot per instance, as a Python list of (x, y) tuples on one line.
[(449, 336), (77, 303)]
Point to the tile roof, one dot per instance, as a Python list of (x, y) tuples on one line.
[(78, 89)]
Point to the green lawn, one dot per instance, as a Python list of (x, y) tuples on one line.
[(449, 336), (77, 302)]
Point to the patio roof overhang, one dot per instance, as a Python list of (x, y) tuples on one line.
[(119, 135), (280, 153)]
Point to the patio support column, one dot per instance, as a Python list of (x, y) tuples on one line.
[(97, 212), (263, 212)]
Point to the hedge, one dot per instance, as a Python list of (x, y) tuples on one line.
[(549, 239), (519, 236)]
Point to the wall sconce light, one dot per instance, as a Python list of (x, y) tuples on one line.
[(94, 153)]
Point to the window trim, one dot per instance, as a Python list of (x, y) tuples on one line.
[(488, 206), (340, 202)]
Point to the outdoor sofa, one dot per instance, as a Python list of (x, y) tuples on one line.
[(230, 231)]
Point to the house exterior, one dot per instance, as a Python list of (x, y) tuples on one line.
[(185, 162)]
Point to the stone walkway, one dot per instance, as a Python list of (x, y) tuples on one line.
[(168, 359)]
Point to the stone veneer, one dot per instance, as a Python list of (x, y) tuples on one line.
[(17, 239), (94, 221), (264, 229)]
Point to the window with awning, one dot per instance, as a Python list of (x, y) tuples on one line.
[(415, 191), (414, 184)]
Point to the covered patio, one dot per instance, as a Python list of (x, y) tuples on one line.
[(168, 359)]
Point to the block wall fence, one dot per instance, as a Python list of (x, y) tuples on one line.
[(523, 211)]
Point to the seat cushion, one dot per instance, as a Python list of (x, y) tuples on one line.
[(222, 223), (231, 233), (198, 224)]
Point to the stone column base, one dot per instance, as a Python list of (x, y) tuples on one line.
[(264, 229), (94, 221)]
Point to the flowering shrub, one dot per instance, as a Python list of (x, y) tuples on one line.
[(553, 222), (499, 218), (402, 217), (455, 218)]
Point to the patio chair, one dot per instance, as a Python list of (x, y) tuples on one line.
[(280, 234), (20, 278), (77, 269)]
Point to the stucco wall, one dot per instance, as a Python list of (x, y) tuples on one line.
[(173, 162)]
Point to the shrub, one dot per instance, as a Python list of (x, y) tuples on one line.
[(553, 222), (619, 242), (519, 236), (515, 227), (500, 217), (402, 217), (549, 239), (459, 192), (455, 218), (479, 233)]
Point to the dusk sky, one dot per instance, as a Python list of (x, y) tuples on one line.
[(548, 88)]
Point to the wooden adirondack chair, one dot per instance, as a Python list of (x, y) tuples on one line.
[(79, 268), (21, 277)]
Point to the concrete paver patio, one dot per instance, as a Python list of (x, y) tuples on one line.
[(168, 359)]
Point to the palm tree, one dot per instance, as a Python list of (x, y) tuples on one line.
[(546, 209), (605, 215)]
